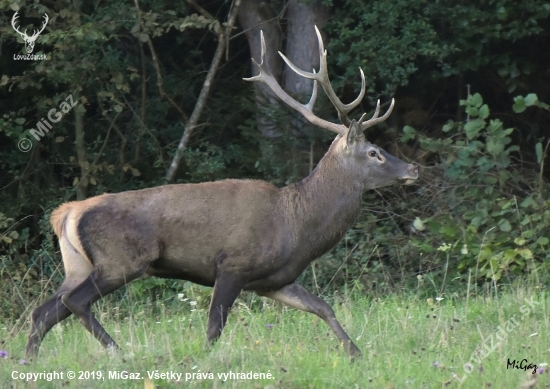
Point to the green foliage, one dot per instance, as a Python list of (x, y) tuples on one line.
[(522, 102), (8, 235), (366, 29), (477, 213), (392, 41), (493, 224)]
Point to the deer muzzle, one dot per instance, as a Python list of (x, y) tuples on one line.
[(412, 174)]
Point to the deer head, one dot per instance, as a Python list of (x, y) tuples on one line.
[(29, 40), (361, 161)]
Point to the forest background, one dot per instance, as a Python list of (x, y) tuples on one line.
[(471, 81)]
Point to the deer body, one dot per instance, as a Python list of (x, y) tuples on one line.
[(231, 234)]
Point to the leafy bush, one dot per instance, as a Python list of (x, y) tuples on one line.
[(393, 41), (480, 208)]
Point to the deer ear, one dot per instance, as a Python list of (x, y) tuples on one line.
[(351, 134)]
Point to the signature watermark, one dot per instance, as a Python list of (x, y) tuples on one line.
[(521, 365), (44, 125), (29, 40), (494, 340)]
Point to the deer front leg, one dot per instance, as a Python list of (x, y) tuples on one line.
[(294, 295), (226, 290)]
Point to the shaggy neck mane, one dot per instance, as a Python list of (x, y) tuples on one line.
[(325, 204)]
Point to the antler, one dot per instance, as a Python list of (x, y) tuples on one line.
[(323, 78), (46, 18), (13, 19), (24, 34), (306, 110)]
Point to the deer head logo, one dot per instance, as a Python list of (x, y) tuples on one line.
[(29, 40)]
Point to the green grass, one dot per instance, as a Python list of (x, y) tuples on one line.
[(407, 342)]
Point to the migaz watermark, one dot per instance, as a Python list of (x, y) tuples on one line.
[(493, 341), (44, 125)]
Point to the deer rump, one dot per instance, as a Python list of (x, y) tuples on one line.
[(231, 234)]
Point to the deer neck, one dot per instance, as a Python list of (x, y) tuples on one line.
[(323, 206)]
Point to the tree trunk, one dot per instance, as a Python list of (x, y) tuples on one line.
[(256, 16), (292, 156), (82, 186), (301, 45), (302, 49)]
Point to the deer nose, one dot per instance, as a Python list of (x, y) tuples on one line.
[(413, 169)]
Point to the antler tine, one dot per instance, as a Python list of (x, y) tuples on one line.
[(376, 110), (13, 20), (323, 78), (313, 98), (37, 32), (262, 66), (375, 119), (306, 110)]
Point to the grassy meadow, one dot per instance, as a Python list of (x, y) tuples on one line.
[(408, 341)]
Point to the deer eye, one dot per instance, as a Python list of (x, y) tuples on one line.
[(372, 153)]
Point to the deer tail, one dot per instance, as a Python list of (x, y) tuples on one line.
[(59, 215)]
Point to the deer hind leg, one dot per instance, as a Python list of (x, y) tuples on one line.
[(80, 299), (44, 317), (294, 295), (53, 311), (121, 248)]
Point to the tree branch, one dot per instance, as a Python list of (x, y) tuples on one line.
[(121, 152), (143, 100), (98, 155), (156, 65), (200, 10), (201, 101), (159, 147)]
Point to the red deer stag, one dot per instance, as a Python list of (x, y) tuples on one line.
[(230, 234)]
